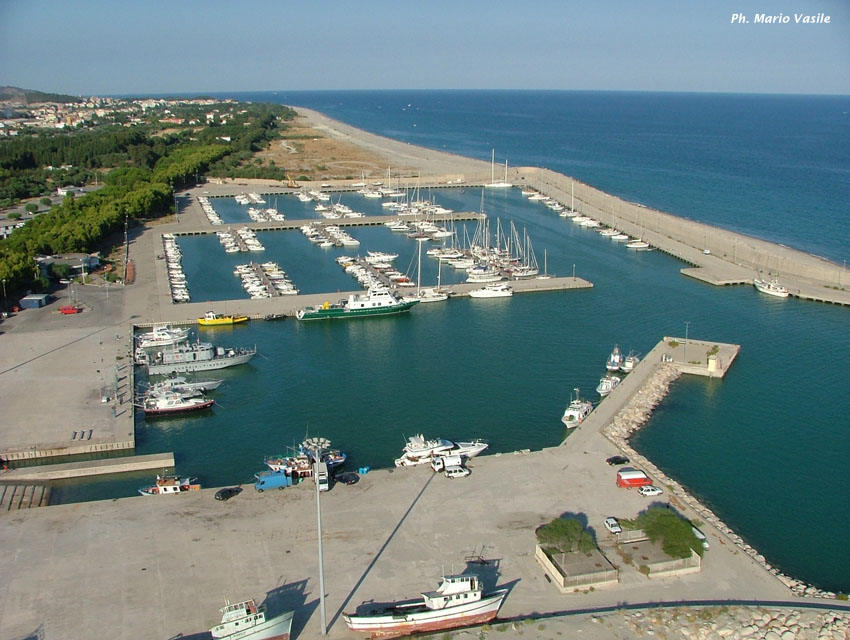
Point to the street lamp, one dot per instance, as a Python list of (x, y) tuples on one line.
[(4, 293), (686, 341)]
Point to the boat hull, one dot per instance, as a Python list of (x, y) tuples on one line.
[(275, 629), (336, 313), (395, 626), (175, 410), (218, 322)]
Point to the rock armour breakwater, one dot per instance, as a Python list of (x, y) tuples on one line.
[(632, 417), (738, 622)]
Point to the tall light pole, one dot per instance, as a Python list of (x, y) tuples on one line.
[(686, 341), (4, 293), (321, 566)]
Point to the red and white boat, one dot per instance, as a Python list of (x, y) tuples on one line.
[(459, 601), (167, 485), (170, 403)]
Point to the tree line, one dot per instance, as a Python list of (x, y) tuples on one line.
[(142, 189)]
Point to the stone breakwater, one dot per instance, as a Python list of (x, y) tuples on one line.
[(632, 417), (715, 623)]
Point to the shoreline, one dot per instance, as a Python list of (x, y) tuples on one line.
[(734, 257), (203, 535)]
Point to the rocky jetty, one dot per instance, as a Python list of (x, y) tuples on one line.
[(634, 414)]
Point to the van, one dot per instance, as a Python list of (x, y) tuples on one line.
[(701, 537), (322, 476), (456, 472), (271, 480), (440, 463)]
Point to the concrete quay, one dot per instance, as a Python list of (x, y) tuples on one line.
[(14, 497), (386, 537), (61, 471)]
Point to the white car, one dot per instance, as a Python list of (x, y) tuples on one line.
[(650, 490), (612, 525)]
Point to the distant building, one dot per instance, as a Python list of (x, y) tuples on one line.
[(80, 263)]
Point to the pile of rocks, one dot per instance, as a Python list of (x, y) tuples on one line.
[(632, 417), (714, 623)]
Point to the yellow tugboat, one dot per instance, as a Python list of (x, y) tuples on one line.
[(213, 319)]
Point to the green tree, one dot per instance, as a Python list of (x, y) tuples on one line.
[(566, 534), (675, 533), (46, 202), (31, 207)]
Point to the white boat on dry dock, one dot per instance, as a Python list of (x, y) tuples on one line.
[(458, 601), (246, 621), (420, 450)]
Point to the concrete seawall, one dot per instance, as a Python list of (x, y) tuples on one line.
[(734, 258)]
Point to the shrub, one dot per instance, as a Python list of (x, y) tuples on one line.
[(566, 534)]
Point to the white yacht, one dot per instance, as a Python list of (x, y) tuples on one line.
[(161, 336), (497, 290)]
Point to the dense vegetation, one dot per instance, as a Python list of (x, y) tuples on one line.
[(149, 168), (675, 533), (566, 535)]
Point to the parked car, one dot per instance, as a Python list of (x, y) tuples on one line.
[(456, 472), (612, 525), (650, 490), (347, 477), (617, 460), (227, 493)]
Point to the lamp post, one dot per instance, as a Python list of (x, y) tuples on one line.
[(321, 566), (686, 341), (4, 293)]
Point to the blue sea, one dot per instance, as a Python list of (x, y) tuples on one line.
[(765, 448)]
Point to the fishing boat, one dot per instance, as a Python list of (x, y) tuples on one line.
[(246, 621), (614, 360), (162, 335), (498, 290), (198, 356), (458, 601), (296, 466), (629, 363), (167, 485), (576, 411), (378, 301), (172, 402), (607, 384), (770, 287), (213, 319)]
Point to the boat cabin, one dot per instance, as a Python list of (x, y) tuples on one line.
[(454, 590)]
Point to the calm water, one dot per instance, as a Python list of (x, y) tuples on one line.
[(763, 448)]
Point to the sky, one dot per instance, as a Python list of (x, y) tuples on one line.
[(114, 47)]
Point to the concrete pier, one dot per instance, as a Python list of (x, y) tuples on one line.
[(158, 461)]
